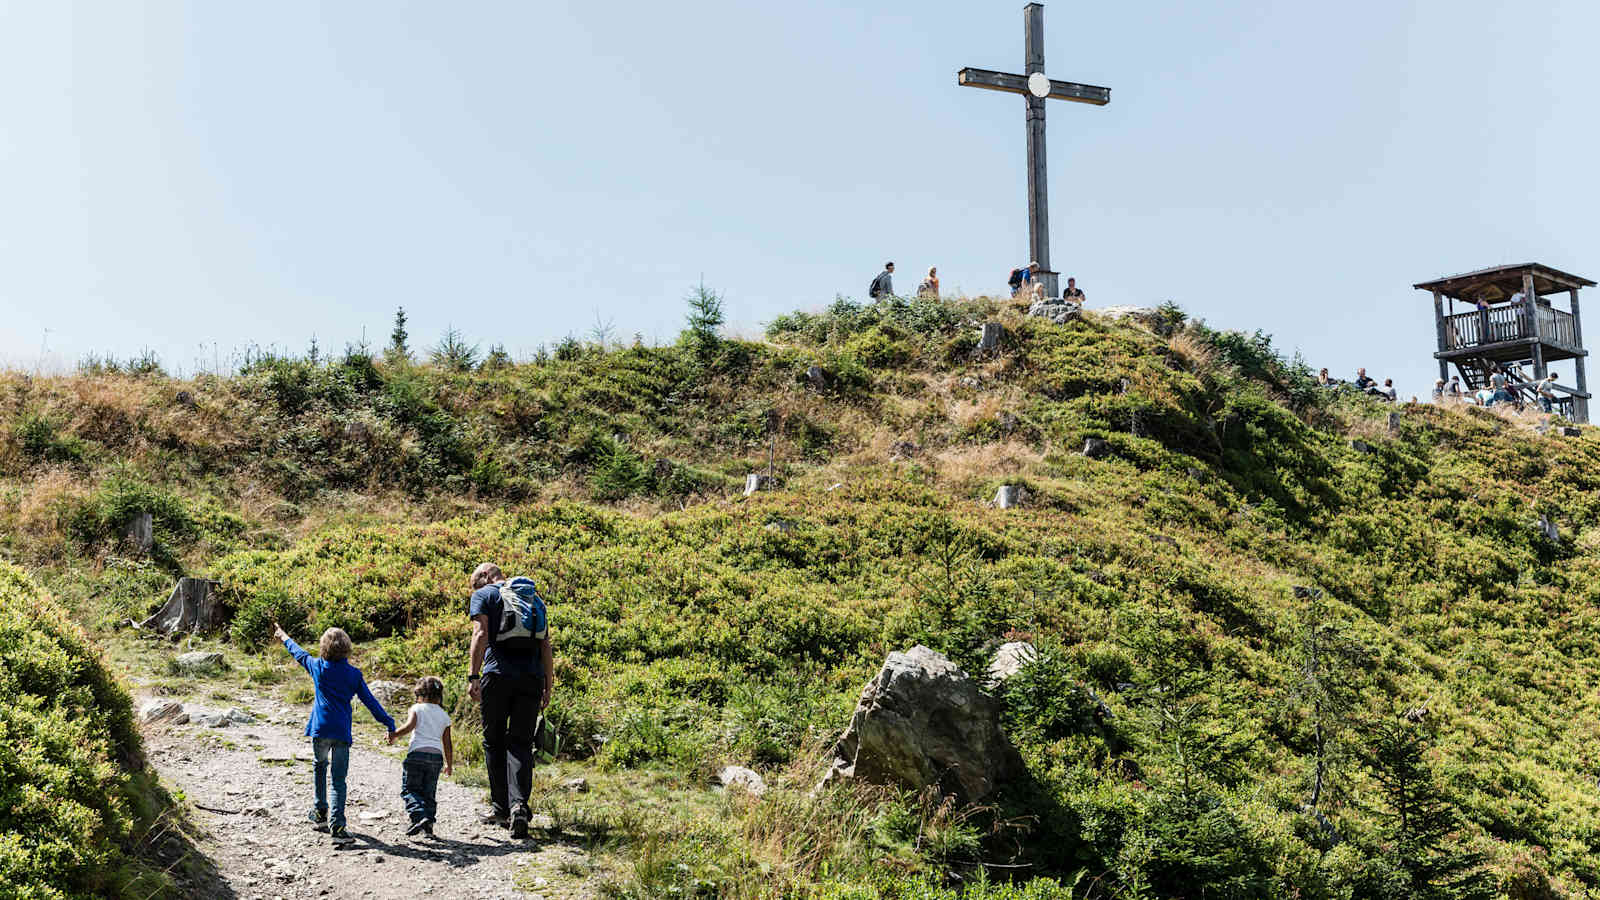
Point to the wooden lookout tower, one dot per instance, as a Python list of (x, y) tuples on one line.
[(1509, 322)]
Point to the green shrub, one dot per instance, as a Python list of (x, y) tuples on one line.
[(42, 439), (75, 799)]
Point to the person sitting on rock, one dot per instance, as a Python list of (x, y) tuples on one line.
[(1071, 293), (930, 285), (1388, 391), (336, 683), (1325, 380), (1363, 382)]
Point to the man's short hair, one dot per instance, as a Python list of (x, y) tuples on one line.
[(889, 264), (335, 644), (486, 574)]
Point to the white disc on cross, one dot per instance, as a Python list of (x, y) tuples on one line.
[(1039, 85)]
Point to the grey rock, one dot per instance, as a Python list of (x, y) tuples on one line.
[(1394, 423), (239, 717), (781, 526), (903, 450), (741, 778), (575, 785), (1361, 446), (212, 720), (1009, 660), (922, 721), (1094, 448), (198, 660), (157, 709), (1056, 310), (1571, 431), (389, 693), (755, 481)]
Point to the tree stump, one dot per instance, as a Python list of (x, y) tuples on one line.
[(192, 607), (989, 337), (140, 532), (1009, 495)]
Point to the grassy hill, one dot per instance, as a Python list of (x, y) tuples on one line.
[(1187, 696)]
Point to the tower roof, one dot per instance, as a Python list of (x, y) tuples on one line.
[(1502, 281)]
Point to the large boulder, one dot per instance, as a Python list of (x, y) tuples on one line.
[(922, 721)]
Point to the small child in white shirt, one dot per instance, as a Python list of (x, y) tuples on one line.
[(430, 753)]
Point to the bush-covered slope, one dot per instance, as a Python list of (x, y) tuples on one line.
[(1195, 727), (75, 799)]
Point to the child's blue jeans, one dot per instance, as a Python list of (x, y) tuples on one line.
[(419, 784), (326, 752)]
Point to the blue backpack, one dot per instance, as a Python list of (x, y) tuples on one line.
[(522, 615)]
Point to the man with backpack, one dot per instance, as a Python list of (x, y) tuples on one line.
[(512, 670), (883, 285), (1021, 279)]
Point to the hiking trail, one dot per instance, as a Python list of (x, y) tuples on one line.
[(248, 787)]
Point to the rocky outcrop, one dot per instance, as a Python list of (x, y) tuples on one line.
[(1056, 310), (922, 721)]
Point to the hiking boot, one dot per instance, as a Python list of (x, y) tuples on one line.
[(427, 827), (519, 826), (497, 819), (418, 827), (317, 816), (340, 835)]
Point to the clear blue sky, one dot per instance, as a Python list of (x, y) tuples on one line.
[(184, 174)]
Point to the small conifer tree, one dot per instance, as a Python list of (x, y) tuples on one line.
[(1421, 849), (398, 350), (453, 353), (705, 317)]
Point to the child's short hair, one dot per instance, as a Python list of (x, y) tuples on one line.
[(335, 644), (429, 690)]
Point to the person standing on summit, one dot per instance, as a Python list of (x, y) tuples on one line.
[(512, 671), (883, 285)]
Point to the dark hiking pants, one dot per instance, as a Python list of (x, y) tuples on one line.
[(510, 715)]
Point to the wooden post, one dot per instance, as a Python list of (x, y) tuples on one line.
[(1438, 322), (1038, 184), (1530, 309), (1580, 406)]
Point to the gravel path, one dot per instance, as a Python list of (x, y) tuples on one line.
[(249, 787)]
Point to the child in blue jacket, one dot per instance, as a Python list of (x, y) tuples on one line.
[(336, 683)]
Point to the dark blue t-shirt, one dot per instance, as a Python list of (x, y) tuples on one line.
[(486, 602)]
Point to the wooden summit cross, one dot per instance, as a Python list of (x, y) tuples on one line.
[(1036, 87)]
